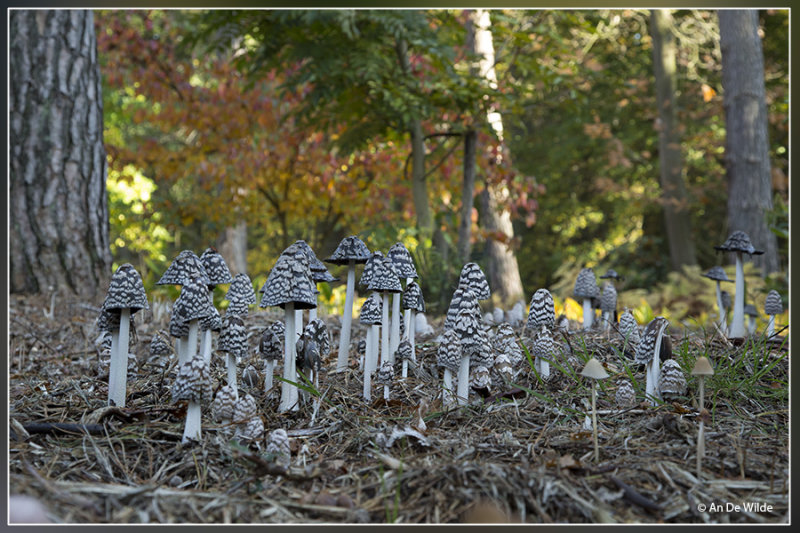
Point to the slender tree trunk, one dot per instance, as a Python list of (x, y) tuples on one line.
[(58, 201), (468, 188), (746, 144), (233, 247), (673, 192), (503, 270)]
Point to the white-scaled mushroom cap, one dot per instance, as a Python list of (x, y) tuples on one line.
[(625, 396), (160, 345), (290, 281), (542, 310), (586, 285), (383, 277), (178, 327), (193, 382), (369, 267), (317, 331), (608, 300), (233, 336), (222, 406), (184, 267), (278, 447), (125, 291), (544, 346), (403, 350), (473, 278), (350, 249), (252, 430), (480, 378), (645, 350), (371, 312), (216, 268), (412, 298), (773, 305), (194, 301), (594, 369), (671, 381), (314, 264), (502, 365), (401, 260), (385, 374), (240, 295), (212, 322), (244, 409), (739, 241), (448, 354)]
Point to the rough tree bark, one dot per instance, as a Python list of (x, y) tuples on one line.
[(746, 144), (673, 191), (502, 269), (58, 201)]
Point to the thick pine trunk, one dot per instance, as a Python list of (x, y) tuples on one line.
[(58, 204), (673, 191), (746, 145)]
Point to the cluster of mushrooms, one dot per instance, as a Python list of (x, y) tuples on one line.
[(475, 353)]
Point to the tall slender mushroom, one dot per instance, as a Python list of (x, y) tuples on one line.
[(289, 286), (702, 369), (319, 274), (608, 305), (403, 266), (384, 280), (125, 296), (218, 274), (211, 323), (351, 250), (648, 353), (586, 289), (542, 313), (412, 302), (773, 305), (370, 316), (193, 304), (739, 243), (468, 326), (193, 384), (270, 347), (718, 275), (233, 342), (544, 347), (448, 357), (594, 370), (240, 295)]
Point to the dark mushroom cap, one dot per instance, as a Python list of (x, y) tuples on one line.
[(194, 301), (467, 324), (160, 345), (725, 296), (542, 310), (240, 295), (773, 305), (308, 354), (322, 276), (403, 350), (586, 285), (412, 298), (212, 322), (125, 291), (383, 278), (369, 268), (544, 345), (270, 345), (233, 336), (216, 268), (628, 327), (385, 374), (448, 354), (716, 273), (193, 382), (473, 278), (371, 312), (350, 249), (671, 381), (456, 303), (645, 350), (314, 264), (401, 261), (739, 241), (177, 326), (317, 331), (289, 281), (184, 267), (750, 310), (608, 300), (612, 274)]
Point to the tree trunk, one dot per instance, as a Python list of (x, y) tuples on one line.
[(746, 144), (468, 188), (233, 247), (673, 192), (58, 204), (503, 270)]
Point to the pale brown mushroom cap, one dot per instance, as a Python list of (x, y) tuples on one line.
[(594, 369), (702, 367), (222, 406)]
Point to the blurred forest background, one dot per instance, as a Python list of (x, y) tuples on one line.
[(247, 130)]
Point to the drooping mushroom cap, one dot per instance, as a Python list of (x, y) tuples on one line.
[(750, 310), (125, 291), (401, 261), (412, 298), (313, 263), (216, 268), (317, 331), (244, 409), (385, 374), (448, 354), (350, 249), (233, 336), (403, 350), (542, 310), (773, 305), (739, 241), (289, 281), (371, 312), (612, 274), (194, 301), (240, 295), (645, 350), (473, 278), (222, 406), (625, 396), (369, 268), (671, 381), (383, 278), (271, 344), (184, 267), (717, 273), (608, 300), (544, 345), (586, 285), (159, 344), (702, 367), (594, 369), (629, 328), (308, 354), (193, 382), (212, 322)]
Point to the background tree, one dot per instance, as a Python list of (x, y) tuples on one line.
[(747, 144), (58, 201)]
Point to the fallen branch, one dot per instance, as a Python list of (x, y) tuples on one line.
[(633, 496)]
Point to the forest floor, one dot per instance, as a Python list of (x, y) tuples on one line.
[(520, 455)]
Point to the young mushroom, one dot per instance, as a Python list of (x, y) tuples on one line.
[(218, 274), (403, 353), (608, 305), (671, 381), (594, 370), (751, 313), (625, 395), (240, 295), (222, 406), (448, 357), (270, 346), (412, 302), (773, 305), (739, 243), (193, 304), (385, 376), (125, 296), (586, 289), (233, 342), (351, 250), (544, 347), (384, 280), (403, 266), (278, 447), (542, 311), (648, 353), (370, 316), (473, 278), (702, 369), (718, 275), (193, 384)]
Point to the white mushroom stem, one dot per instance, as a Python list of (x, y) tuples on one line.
[(605, 318), (231, 362), (719, 307), (737, 324), (298, 322), (179, 349), (268, 375), (594, 421), (394, 341), (386, 354), (771, 326), (412, 332), (588, 314), (447, 387), (543, 367), (386, 392), (289, 394), (368, 363), (701, 444), (118, 366), (653, 369), (205, 346), (404, 372), (347, 318), (192, 429), (190, 346), (462, 393)]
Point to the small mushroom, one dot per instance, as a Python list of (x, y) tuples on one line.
[(240, 295), (702, 369), (625, 396), (467, 326), (250, 431), (544, 348), (586, 289), (542, 311), (193, 304), (412, 302), (671, 381), (629, 330), (718, 275), (473, 278), (385, 376), (448, 357), (222, 406), (773, 305), (594, 370), (481, 381), (502, 371), (648, 353), (384, 281), (351, 250), (403, 266), (270, 347), (370, 316), (403, 353), (608, 305), (233, 342), (505, 341), (751, 313), (193, 384), (739, 243), (278, 447)]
